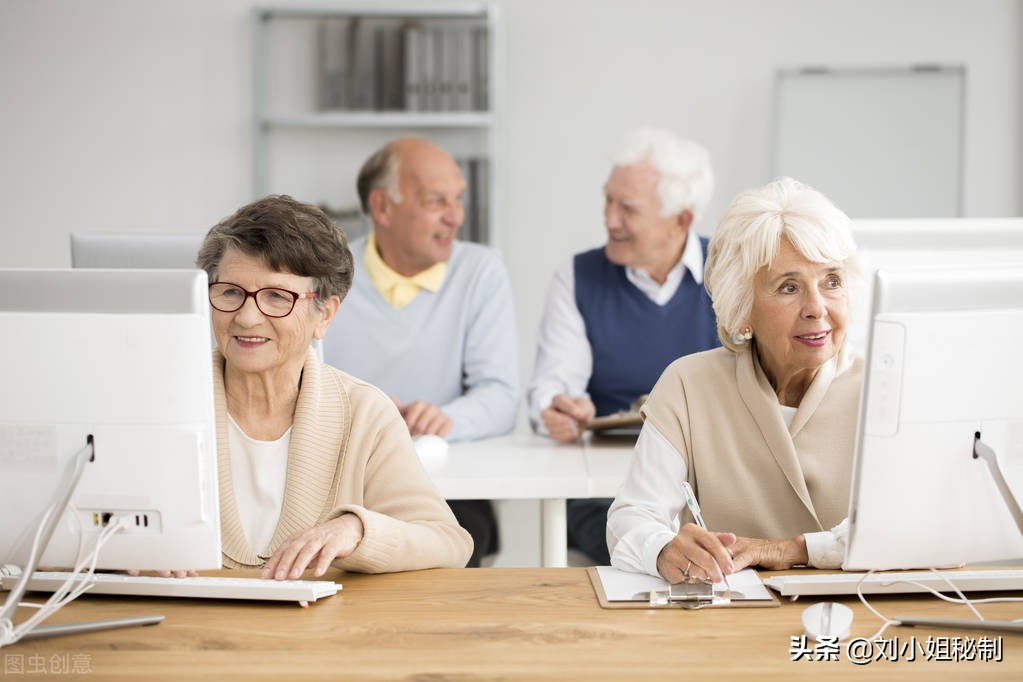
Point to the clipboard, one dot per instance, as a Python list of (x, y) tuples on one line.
[(620, 421), (622, 424), (770, 599)]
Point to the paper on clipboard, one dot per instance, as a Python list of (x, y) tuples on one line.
[(623, 589)]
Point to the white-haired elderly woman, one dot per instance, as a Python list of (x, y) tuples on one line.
[(763, 429)]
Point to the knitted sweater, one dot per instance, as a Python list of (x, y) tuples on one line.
[(455, 348), (350, 452)]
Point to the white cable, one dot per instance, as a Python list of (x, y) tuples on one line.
[(7, 629), (64, 594), (82, 575), (887, 622), (961, 599)]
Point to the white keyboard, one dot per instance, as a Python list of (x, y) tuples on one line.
[(892, 582), (198, 587)]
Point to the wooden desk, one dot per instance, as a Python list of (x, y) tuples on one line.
[(497, 623), (514, 467)]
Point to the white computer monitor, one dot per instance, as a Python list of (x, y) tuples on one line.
[(943, 366), (923, 242), (134, 250), (123, 357)]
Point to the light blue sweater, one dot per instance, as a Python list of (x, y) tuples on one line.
[(456, 348)]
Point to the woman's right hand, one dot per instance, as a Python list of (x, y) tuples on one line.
[(693, 553)]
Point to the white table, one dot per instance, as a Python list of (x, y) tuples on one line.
[(606, 464), (527, 466)]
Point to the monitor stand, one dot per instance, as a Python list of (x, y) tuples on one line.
[(981, 450)]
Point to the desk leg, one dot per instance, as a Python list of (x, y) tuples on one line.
[(554, 552)]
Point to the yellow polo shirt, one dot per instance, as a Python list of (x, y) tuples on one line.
[(399, 290)]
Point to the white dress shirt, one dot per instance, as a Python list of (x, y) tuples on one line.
[(564, 360), (258, 471), (644, 515)]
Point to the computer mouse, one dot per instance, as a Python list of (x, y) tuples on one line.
[(430, 446), (827, 619)]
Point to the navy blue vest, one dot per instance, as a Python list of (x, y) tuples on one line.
[(634, 339)]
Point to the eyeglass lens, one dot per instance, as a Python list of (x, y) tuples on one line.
[(228, 298)]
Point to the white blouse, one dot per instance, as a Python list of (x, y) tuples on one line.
[(258, 471), (644, 515)]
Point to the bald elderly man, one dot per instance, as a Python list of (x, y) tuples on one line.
[(429, 318)]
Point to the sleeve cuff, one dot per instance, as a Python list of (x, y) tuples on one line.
[(652, 549), (826, 549)]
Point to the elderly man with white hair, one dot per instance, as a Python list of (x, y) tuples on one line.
[(617, 315)]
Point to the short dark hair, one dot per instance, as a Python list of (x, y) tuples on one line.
[(379, 170), (289, 236)]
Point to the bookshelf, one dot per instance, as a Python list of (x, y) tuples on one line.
[(333, 82)]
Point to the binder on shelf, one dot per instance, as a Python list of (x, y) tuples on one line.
[(390, 68), (330, 43), (461, 71), (427, 71), (481, 68), (414, 95), (361, 93)]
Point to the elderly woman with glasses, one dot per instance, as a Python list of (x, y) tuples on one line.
[(316, 467), (763, 429)]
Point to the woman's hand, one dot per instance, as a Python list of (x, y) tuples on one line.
[(334, 539), (693, 553), (774, 555), (179, 573)]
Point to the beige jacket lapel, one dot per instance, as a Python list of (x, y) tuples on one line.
[(762, 403), (321, 420)]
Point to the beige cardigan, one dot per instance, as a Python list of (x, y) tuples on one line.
[(753, 475), (350, 452)]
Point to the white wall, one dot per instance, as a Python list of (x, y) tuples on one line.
[(120, 114), (124, 114)]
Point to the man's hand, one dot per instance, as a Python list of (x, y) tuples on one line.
[(424, 418), (698, 553), (566, 417), (334, 539)]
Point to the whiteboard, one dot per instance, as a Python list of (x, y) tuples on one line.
[(881, 142)]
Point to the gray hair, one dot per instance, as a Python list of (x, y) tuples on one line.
[(748, 236), (289, 236), (686, 180), (380, 170)]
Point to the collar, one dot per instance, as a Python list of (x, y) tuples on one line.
[(397, 289), (692, 260)]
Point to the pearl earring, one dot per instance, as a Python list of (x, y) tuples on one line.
[(741, 337)]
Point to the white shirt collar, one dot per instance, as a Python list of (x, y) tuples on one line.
[(692, 259)]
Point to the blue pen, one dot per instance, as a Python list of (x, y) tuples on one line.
[(694, 509)]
